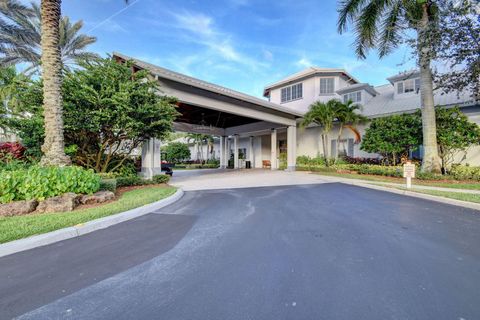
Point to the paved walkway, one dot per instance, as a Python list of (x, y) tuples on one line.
[(212, 179), (215, 179)]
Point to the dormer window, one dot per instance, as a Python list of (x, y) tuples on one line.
[(327, 86), (409, 85), (353, 96), (291, 93)]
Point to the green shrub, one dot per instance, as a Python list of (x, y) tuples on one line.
[(388, 171), (465, 172), (40, 183), (108, 185), (13, 165), (161, 178)]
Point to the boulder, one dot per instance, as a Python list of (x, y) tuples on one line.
[(18, 208), (98, 197), (65, 202)]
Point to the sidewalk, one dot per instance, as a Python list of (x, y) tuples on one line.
[(397, 185)]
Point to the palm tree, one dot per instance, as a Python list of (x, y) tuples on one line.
[(198, 140), (20, 34), (53, 147), (381, 24), (322, 114), (51, 59), (348, 118)]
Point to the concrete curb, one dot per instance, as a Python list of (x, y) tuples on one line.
[(454, 202), (81, 229)]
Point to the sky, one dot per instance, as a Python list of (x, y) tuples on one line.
[(240, 44)]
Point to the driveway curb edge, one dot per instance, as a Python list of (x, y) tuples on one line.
[(44, 239), (454, 202)]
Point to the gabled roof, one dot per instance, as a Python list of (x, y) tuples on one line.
[(357, 87), (182, 78), (412, 74), (385, 104), (307, 73)]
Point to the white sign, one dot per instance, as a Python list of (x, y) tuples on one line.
[(409, 173), (409, 170)]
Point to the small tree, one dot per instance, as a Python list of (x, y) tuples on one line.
[(347, 116), (176, 152), (393, 136), (322, 114), (455, 133)]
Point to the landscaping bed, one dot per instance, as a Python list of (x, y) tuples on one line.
[(18, 227)]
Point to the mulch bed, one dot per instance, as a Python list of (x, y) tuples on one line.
[(118, 194)]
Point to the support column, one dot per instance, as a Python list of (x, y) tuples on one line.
[(251, 153), (291, 148), (222, 153), (228, 146), (235, 152), (273, 148), (151, 161)]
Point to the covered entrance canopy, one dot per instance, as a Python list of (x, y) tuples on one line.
[(226, 113)]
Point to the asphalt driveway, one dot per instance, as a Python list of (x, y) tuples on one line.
[(327, 251)]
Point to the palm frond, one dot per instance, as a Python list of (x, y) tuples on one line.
[(347, 11), (20, 36), (366, 26), (390, 28)]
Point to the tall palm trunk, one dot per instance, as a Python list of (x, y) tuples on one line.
[(431, 160), (53, 147), (339, 137)]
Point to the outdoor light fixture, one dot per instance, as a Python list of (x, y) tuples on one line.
[(202, 126)]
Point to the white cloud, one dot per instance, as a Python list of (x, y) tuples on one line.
[(195, 22), (304, 62), (204, 32), (267, 54)]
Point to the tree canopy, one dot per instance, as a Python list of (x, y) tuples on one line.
[(109, 111), (394, 136), (20, 35), (176, 152)]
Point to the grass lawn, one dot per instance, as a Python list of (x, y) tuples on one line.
[(13, 228), (452, 195), (444, 184)]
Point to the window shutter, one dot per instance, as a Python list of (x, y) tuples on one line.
[(359, 96), (399, 87), (417, 85), (350, 148)]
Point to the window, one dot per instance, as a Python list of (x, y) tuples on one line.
[(354, 96), (327, 86), (410, 85), (292, 92)]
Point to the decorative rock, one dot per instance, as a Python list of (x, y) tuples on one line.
[(18, 208), (98, 197), (66, 202)]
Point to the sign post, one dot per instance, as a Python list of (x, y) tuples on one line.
[(409, 173)]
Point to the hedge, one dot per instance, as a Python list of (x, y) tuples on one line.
[(139, 181), (39, 183)]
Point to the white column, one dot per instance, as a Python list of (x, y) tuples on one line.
[(291, 148), (222, 153), (235, 151), (251, 153), (151, 161), (273, 148), (228, 147)]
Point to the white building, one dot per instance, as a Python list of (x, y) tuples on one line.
[(400, 95), (265, 133)]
